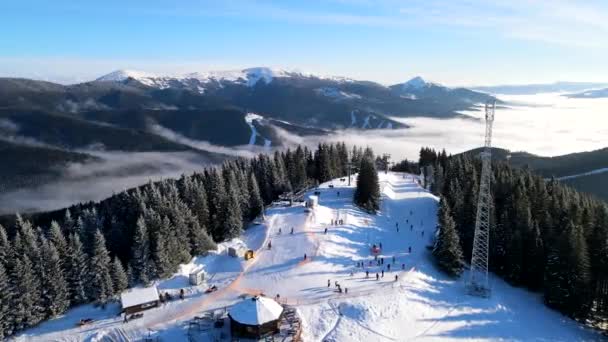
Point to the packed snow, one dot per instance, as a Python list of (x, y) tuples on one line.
[(249, 119), (337, 93), (400, 299), (589, 173)]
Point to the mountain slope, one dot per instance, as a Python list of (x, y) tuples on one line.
[(31, 166)]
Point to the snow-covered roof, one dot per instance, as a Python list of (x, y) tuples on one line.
[(256, 311), (138, 296)]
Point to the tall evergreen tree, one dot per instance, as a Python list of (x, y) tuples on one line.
[(140, 260), (119, 276), (256, 204), (100, 280), (5, 302), (447, 250), (231, 217), (55, 291), (77, 270), (24, 307), (367, 194)]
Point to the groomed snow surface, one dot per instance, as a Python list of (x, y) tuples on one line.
[(422, 304)]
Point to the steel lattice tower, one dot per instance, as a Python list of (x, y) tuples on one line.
[(478, 284)]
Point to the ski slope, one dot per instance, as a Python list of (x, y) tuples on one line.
[(422, 304)]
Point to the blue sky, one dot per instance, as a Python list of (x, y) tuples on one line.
[(388, 41)]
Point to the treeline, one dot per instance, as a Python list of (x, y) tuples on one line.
[(92, 252), (544, 236)]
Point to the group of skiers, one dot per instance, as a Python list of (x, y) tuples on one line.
[(337, 222), (338, 286)]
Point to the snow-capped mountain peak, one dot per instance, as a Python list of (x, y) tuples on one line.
[(121, 75), (416, 83)]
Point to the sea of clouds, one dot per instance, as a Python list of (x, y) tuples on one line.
[(545, 124)]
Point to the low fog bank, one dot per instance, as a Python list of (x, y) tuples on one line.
[(94, 181), (548, 125), (545, 124)]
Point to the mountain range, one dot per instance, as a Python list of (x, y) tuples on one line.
[(51, 125)]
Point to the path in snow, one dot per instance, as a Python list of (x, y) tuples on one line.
[(594, 172)]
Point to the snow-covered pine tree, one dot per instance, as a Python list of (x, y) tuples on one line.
[(77, 267), (367, 193), (162, 262), (232, 217), (68, 222), (256, 204), (4, 246), (217, 201), (577, 273), (55, 235), (55, 292), (26, 289), (447, 250), (119, 276), (140, 253), (100, 280), (5, 301)]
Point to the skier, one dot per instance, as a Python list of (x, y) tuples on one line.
[(325, 230), (382, 273), (397, 225), (409, 249), (181, 293), (393, 259), (423, 233), (388, 267), (366, 274), (396, 277), (382, 261), (380, 245), (328, 282), (337, 284), (377, 276), (346, 290), (291, 230), (338, 193), (304, 256), (269, 244), (126, 319), (411, 227), (403, 266), (279, 231)]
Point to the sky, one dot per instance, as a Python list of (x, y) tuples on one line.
[(469, 42)]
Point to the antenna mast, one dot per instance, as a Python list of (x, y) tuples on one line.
[(477, 284)]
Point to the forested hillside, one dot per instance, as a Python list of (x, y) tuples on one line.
[(544, 236), (94, 251), (574, 164)]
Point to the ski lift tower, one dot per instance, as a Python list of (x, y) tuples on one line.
[(477, 284)]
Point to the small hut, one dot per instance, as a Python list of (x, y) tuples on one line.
[(255, 317), (312, 201), (139, 299), (196, 277)]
